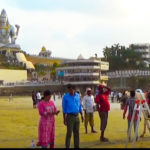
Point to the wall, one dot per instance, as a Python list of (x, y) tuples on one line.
[(9, 75), (27, 90)]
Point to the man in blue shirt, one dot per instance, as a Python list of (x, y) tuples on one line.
[(71, 106)]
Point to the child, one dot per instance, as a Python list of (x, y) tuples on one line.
[(130, 104), (47, 110)]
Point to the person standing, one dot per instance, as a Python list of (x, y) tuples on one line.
[(71, 106), (130, 104), (38, 96), (103, 106), (46, 130), (34, 99), (11, 97), (88, 107), (112, 96), (54, 96), (119, 96)]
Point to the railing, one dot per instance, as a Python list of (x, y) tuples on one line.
[(127, 73), (81, 74), (31, 83)]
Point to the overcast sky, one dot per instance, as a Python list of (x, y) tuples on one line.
[(72, 27)]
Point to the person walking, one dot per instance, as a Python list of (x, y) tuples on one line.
[(130, 107), (88, 107), (46, 130), (103, 106), (71, 106)]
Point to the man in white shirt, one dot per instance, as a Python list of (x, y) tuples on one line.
[(112, 96), (88, 107), (38, 96), (119, 96)]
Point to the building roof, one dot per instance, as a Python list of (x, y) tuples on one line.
[(29, 65), (21, 58)]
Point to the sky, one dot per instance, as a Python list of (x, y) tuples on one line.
[(69, 28)]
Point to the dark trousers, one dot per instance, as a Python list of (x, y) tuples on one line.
[(73, 124), (104, 118)]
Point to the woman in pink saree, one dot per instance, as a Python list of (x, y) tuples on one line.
[(46, 129)]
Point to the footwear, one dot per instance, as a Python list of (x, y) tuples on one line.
[(142, 135), (104, 140), (129, 139), (94, 131)]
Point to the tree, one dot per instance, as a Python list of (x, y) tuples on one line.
[(122, 58)]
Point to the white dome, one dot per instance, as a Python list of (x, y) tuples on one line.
[(80, 57)]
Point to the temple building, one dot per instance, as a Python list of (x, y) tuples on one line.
[(84, 72), (11, 55), (8, 36), (8, 46), (45, 53)]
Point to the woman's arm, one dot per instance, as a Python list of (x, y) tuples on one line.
[(41, 109)]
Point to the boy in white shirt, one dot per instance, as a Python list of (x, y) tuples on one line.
[(88, 107)]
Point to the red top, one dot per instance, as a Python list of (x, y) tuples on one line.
[(102, 99)]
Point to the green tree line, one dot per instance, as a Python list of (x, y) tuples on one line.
[(122, 58)]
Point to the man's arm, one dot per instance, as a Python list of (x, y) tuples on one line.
[(108, 90), (84, 105), (82, 116), (64, 110), (80, 110), (65, 117), (97, 102)]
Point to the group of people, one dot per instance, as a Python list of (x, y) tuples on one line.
[(36, 97), (116, 95), (72, 106)]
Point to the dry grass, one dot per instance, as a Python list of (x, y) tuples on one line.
[(19, 125)]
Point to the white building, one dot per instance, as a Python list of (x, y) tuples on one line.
[(84, 71), (144, 49)]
